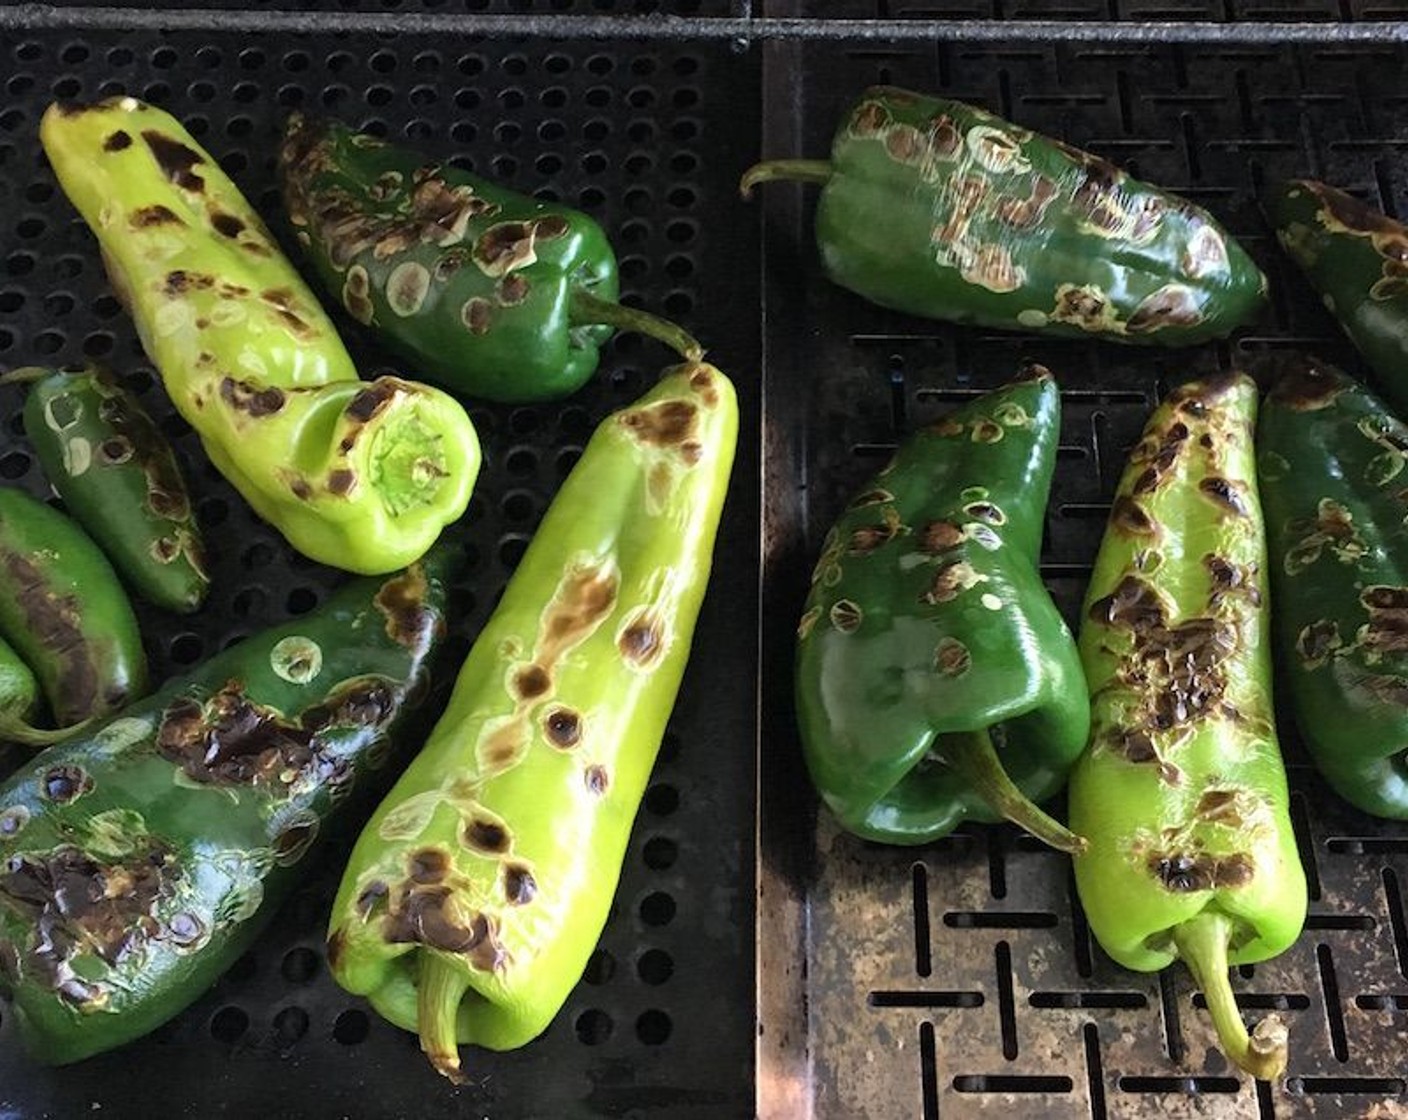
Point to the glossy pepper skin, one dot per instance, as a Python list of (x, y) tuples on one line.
[(1354, 256), (935, 679), (1182, 792), (940, 209), (480, 887), (118, 477), (358, 475), (141, 858), (66, 613), (493, 293), (1330, 460)]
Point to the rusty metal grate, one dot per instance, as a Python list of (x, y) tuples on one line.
[(960, 979)]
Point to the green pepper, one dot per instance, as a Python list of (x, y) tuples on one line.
[(1182, 792), (118, 477), (66, 613), (942, 210), (493, 293), (1330, 460), (141, 858), (1354, 257), (358, 475), (479, 888), (935, 679)]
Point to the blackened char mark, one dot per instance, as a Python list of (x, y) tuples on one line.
[(176, 161)]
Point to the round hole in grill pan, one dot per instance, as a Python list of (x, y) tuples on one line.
[(229, 1025), (351, 1027), (654, 1027), (594, 1027)]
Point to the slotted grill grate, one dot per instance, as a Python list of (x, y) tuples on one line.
[(960, 979), (638, 135)]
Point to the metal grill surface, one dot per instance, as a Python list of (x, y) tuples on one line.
[(960, 979)]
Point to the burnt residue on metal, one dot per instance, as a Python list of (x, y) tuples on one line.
[(1189, 872), (65, 783), (402, 603), (56, 624), (427, 916), (176, 161), (78, 906), (247, 397)]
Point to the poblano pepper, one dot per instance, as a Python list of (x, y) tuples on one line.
[(1330, 461), (479, 888), (1357, 259), (358, 475), (1182, 792), (935, 679), (940, 209), (491, 292), (141, 858)]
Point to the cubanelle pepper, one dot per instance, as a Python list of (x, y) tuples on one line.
[(1182, 792), (358, 475), (481, 885), (941, 209), (140, 859), (1330, 461), (935, 679), (492, 293)]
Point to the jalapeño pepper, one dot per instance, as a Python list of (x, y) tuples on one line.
[(1182, 792), (935, 678), (480, 886), (941, 209), (139, 859), (1330, 462), (491, 292)]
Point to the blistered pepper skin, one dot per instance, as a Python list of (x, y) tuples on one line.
[(358, 475), (1354, 257), (927, 624), (480, 887), (493, 293), (1330, 460), (943, 210), (1182, 791), (140, 859)]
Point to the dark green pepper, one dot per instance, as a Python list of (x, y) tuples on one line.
[(941, 209), (66, 613), (935, 679), (1182, 792), (141, 858), (490, 292), (1354, 256), (118, 477), (1330, 460)]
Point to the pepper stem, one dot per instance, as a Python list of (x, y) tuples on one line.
[(585, 309), (972, 756), (24, 375), (1202, 943), (439, 990), (793, 170), (13, 730)]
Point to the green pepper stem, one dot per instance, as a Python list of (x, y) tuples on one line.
[(586, 309), (972, 756), (1202, 944), (14, 730), (24, 375), (439, 990), (792, 170)]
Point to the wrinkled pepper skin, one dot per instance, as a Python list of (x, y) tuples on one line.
[(358, 475), (118, 478), (1182, 792), (1330, 460), (492, 293), (940, 209), (927, 624), (141, 858), (478, 890), (64, 610)]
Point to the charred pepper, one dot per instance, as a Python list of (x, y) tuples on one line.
[(480, 886), (941, 209), (117, 476), (493, 293), (358, 475), (1182, 792), (1357, 259), (1330, 460), (935, 679), (140, 859)]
